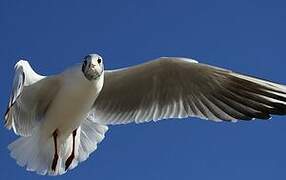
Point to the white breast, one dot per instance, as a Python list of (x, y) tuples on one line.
[(72, 103)]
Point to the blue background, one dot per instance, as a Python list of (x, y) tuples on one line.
[(245, 36)]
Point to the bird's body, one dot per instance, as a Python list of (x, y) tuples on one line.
[(62, 118), (71, 104)]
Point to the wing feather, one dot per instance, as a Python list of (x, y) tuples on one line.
[(31, 95), (179, 87)]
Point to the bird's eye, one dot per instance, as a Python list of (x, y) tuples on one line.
[(99, 60)]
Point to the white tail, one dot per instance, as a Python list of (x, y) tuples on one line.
[(36, 154), (29, 152)]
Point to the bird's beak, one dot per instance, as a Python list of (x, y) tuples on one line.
[(93, 68)]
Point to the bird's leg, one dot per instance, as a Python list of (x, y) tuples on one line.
[(56, 156), (71, 157)]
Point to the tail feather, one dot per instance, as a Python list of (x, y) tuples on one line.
[(91, 134), (37, 154), (30, 153)]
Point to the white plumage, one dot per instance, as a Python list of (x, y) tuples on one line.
[(63, 117)]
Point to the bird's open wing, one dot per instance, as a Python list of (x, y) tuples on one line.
[(179, 87), (30, 97)]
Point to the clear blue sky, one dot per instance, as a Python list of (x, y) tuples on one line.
[(246, 36)]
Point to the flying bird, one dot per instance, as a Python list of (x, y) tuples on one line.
[(61, 118)]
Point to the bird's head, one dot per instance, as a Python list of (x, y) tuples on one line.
[(92, 66)]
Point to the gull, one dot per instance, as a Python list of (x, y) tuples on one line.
[(61, 118)]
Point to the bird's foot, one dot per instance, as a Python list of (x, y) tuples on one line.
[(69, 161), (55, 162)]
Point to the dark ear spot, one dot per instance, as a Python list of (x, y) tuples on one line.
[(84, 65)]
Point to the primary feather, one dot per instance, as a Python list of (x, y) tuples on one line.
[(179, 87)]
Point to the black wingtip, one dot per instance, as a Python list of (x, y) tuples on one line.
[(6, 116)]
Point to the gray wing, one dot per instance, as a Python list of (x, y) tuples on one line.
[(30, 97), (179, 87)]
